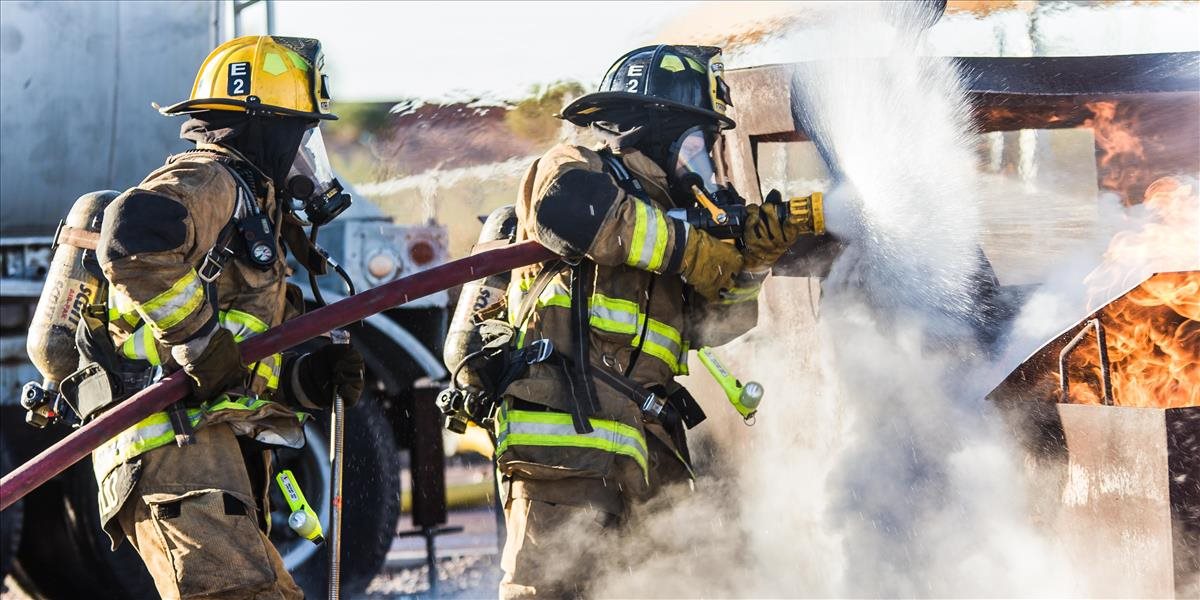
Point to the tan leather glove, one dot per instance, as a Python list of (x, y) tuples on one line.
[(218, 367), (708, 264), (773, 226)]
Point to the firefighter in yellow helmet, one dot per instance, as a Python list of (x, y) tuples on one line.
[(598, 424), (193, 260)]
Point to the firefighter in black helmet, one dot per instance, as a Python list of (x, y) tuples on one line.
[(598, 425)]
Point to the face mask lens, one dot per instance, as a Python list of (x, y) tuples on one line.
[(693, 158), (311, 180), (312, 161)]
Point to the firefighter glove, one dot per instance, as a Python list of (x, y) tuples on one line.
[(217, 368), (329, 369), (708, 264), (773, 226)]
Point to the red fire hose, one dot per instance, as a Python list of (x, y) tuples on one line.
[(159, 396)]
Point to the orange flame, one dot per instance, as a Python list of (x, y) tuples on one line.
[(1153, 331), (1120, 156)]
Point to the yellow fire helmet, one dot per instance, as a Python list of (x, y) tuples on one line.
[(261, 75)]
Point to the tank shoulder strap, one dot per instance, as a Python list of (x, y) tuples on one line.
[(245, 203), (616, 167)]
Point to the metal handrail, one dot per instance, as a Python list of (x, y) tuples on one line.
[(1105, 375)]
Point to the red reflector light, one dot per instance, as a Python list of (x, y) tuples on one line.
[(421, 253)]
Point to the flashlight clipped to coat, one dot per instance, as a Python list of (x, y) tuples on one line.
[(745, 398)]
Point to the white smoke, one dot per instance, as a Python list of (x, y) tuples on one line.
[(877, 469), (925, 492)]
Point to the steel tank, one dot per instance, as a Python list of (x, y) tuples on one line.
[(479, 296), (69, 288)]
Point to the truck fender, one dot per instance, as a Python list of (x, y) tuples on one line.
[(429, 364)]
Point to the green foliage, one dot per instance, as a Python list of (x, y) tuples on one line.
[(356, 119), (532, 118)]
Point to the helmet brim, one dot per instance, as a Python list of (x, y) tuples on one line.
[(593, 107), (202, 104)]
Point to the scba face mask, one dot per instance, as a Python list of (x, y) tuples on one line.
[(312, 184), (691, 155)]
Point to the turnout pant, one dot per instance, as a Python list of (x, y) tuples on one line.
[(194, 521), (562, 532)]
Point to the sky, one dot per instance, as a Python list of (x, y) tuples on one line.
[(384, 51)]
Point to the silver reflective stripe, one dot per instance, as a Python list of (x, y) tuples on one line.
[(141, 344), (171, 307), (646, 260), (555, 294), (612, 315), (671, 345)]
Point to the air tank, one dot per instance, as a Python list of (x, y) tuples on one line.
[(69, 288), (481, 295)]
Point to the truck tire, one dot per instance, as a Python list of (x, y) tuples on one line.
[(10, 523), (70, 556), (371, 490)]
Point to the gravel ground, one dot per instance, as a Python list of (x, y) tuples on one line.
[(458, 577)]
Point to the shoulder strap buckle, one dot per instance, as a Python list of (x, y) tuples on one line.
[(538, 351), (214, 263), (624, 178)]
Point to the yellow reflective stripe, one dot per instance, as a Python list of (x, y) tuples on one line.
[(225, 402), (245, 319), (516, 293), (268, 368), (152, 432), (171, 307), (555, 294), (549, 429), (649, 242), (141, 344), (614, 314), (664, 343), (624, 317), (660, 240), (241, 324), (155, 431), (150, 346), (121, 308), (129, 346), (740, 294), (639, 234)]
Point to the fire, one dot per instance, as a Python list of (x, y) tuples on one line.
[(1120, 155), (1152, 332)]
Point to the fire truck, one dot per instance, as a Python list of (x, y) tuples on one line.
[(78, 82)]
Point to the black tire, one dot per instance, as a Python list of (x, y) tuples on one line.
[(10, 523), (69, 557), (371, 492)]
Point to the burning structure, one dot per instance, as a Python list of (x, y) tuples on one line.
[(1107, 409)]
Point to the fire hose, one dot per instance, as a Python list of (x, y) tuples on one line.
[(174, 387)]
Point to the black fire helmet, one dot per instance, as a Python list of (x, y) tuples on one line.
[(680, 79)]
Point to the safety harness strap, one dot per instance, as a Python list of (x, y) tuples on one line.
[(634, 187), (583, 389)]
